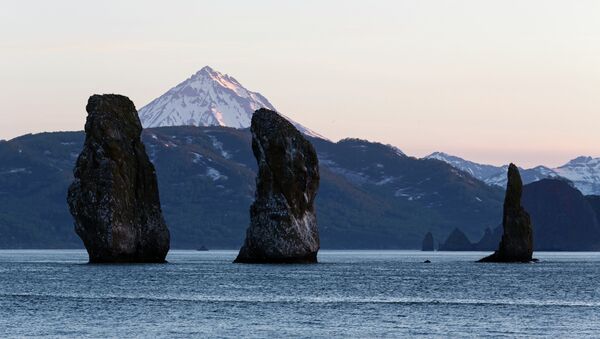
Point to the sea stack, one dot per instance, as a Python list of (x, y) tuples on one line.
[(456, 241), (283, 224), (516, 244), (114, 197), (427, 242)]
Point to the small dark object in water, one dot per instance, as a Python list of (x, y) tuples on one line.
[(202, 248), (427, 261)]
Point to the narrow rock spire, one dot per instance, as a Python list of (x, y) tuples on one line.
[(427, 244), (517, 237)]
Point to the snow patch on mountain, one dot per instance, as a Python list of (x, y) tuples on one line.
[(214, 174), (197, 158), (15, 170), (219, 146)]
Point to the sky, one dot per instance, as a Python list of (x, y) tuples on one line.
[(490, 81)]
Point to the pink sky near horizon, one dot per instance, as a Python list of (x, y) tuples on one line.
[(491, 81)]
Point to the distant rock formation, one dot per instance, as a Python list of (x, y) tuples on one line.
[(283, 224), (427, 242), (490, 239), (114, 197), (517, 237), (564, 219), (456, 241)]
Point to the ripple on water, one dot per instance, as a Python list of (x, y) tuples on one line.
[(351, 294)]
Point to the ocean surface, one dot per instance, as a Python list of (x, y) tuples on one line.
[(364, 294)]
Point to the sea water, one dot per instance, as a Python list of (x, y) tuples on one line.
[(348, 294)]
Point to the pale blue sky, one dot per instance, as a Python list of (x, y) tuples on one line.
[(492, 81)]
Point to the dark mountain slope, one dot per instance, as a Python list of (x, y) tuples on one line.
[(594, 201), (428, 190), (562, 218), (371, 195), (35, 171)]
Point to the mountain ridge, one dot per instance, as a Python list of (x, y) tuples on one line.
[(583, 172), (371, 196)]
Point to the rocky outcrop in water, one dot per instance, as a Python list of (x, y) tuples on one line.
[(283, 224), (456, 241), (564, 219), (427, 242), (517, 237), (114, 197)]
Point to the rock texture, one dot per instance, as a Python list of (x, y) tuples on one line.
[(283, 224), (517, 237), (427, 242), (114, 197)]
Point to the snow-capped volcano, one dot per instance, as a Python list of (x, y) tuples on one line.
[(583, 172), (207, 98)]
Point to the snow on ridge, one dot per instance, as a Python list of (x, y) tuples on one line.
[(583, 171)]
